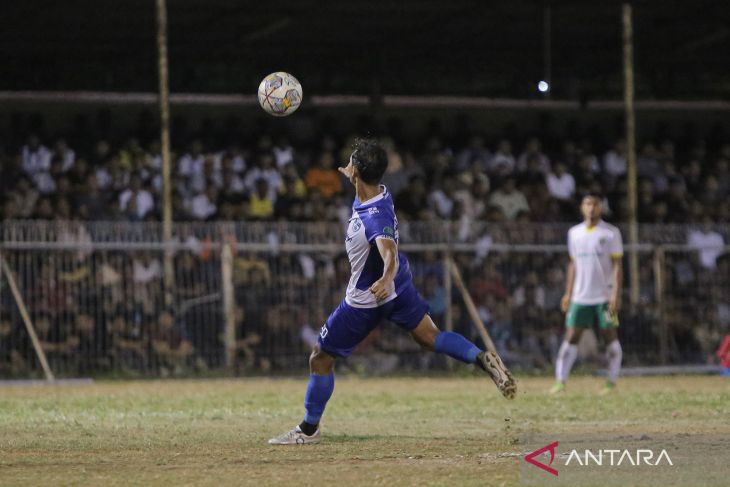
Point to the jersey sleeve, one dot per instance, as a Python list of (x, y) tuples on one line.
[(617, 245), (379, 224), (571, 249)]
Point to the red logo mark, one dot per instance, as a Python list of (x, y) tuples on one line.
[(530, 458)]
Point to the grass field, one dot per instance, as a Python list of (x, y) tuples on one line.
[(395, 431)]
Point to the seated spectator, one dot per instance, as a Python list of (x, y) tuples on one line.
[(503, 162), (441, 198), (190, 165), (172, 350), (412, 201), (65, 154), (614, 160), (708, 242), (264, 169), (143, 202), (260, 205), (292, 195), (560, 184), (36, 157), (475, 154), (204, 206), (128, 352), (509, 199), (24, 197), (647, 161), (324, 177), (533, 150)]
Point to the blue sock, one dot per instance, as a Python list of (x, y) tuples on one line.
[(456, 346), (319, 392)]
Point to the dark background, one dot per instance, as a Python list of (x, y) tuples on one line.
[(458, 47)]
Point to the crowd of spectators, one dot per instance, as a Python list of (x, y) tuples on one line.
[(473, 177), (99, 311)]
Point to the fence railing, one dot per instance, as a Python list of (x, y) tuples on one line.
[(250, 298)]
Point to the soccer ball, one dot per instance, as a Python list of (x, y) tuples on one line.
[(280, 94)]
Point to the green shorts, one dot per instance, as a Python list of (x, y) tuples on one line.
[(586, 315)]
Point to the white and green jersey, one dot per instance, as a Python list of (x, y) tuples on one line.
[(592, 250)]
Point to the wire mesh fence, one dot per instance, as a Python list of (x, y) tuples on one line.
[(251, 298)]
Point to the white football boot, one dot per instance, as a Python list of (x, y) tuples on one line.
[(295, 437)]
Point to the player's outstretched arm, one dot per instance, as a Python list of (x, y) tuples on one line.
[(389, 253), (614, 304), (570, 279)]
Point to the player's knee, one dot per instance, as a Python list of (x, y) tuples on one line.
[(426, 338), (321, 362), (573, 337)]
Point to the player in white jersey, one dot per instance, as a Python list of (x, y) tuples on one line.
[(592, 291), (381, 287)]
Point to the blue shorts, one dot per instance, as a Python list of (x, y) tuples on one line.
[(347, 326)]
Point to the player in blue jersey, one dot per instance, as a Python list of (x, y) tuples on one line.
[(381, 287)]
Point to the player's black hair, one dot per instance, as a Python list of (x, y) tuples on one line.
[(594, 195), (370, 160)]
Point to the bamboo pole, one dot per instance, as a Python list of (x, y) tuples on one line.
[(628, 56), (471, 308), (164, 101), (27, 321)]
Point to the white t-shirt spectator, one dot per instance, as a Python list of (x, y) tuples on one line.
[(709, 244), (439, 201), (69, 158), (561, 187), (103, 178), (35, 161), (44, 182), (501, 164), (283, 155), (614, 163), (201, 207), (193, 169), (143, 200), (511, 204), (272, 177), (144, 272)]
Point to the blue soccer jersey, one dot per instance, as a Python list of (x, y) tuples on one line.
[(371, 220)]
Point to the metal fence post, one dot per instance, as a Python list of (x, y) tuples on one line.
[(229, 314), (659, 284)]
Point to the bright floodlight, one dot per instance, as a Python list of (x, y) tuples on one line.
[(543, 86)]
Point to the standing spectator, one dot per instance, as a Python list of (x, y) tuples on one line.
[(509, 199)]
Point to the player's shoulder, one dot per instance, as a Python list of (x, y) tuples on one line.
[(609, 227), (576, 228)]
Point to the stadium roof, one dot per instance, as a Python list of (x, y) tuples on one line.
[(462, 47)]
